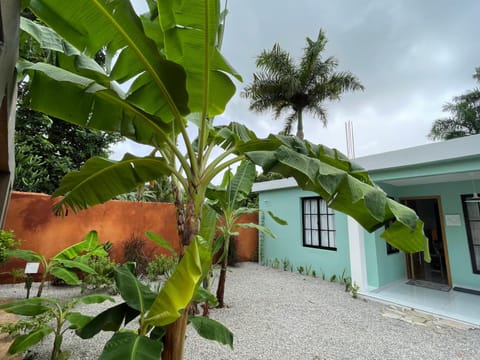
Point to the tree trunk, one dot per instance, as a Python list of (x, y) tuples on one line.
[(223, 275), (299, 125), (42, 283), (174, 339)]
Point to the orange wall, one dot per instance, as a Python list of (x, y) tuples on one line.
[(30, 216)]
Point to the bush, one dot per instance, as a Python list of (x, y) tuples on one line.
[(161, 265), (7, 242), (104, 277), (134, 251)]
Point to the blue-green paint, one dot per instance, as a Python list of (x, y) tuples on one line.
[(286, 203)]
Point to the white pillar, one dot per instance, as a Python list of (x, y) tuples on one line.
[(358, 265)]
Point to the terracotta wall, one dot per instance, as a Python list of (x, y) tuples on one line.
[(30, 216)]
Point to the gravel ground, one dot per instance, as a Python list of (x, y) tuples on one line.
[(281, 315)]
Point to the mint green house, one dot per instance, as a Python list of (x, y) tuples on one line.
[(439, 181)]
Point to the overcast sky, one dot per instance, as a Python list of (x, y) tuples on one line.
[(412, 56)]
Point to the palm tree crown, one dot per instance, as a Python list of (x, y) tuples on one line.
[(281, 85), (464, 116)]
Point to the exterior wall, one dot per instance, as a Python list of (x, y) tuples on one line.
[(286, 204), (382, 268), (30, 216)]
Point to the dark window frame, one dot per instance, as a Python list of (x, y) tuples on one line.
[(330, 228), (471, 246)]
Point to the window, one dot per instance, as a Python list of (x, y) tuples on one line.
[(318, 224), (471, 211)]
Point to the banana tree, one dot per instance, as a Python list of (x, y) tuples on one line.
[(228, 201), (169, 62)]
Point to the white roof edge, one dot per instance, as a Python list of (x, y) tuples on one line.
[(459, 148), (274, 184)]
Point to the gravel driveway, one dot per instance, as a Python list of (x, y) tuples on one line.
[(281, 315)]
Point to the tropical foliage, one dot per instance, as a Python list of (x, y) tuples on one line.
[(464, 116), (283, 86), (64, 264), (169, 61), (47, 148), (229, 201), (61, 312)]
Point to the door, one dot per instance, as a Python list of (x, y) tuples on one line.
[(437, 271)]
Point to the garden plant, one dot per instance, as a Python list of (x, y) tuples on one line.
[(64, 264), (175, 76), (229, 202), (62, 314)]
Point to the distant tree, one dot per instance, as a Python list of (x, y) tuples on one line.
[(281, 85), (464, 116), (46, 148)]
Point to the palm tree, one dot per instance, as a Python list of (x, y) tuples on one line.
[(464, 116), (281, 85)]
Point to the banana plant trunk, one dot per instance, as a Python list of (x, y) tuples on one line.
[(42, 282), (223, 274), (174, 339)]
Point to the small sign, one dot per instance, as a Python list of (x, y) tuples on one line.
[(453, 220), (32, 267)]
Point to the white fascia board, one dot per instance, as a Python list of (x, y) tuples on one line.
[(449, 150), (274, 185)]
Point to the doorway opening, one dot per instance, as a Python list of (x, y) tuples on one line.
[(437, 271)]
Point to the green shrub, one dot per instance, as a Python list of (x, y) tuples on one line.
[(7, 242), (161, 265), (103, 278)]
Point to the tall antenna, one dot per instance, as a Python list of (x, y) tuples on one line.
[(350, 140)]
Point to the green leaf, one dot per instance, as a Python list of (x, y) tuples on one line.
[(27, 255), (241, 184), (190, 35), (27, 307), (96, 106), (344, 185), (24, 342), (77, 320), (68, 56), (160, 240), (203, 295), (77, 265), (179, 289), (208, 223), (116, 26), (95, 299), (278, 220), (88, 244), (261, 228), (108, 320), (135, 294), (94, 184), (66, 275), (128, 345), (212, 330)]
